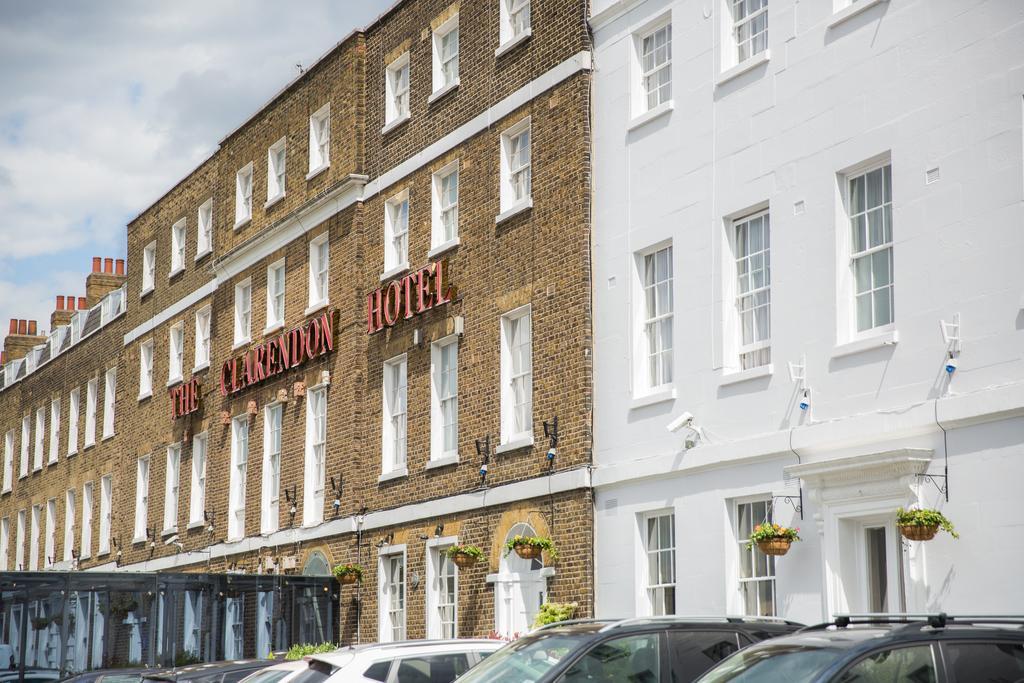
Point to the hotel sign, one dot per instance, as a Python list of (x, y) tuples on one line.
[(408, 296), (289, 350), (185, 399)]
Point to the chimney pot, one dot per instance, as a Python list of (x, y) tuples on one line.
[(108, 266), (70, 302), (81, 303), (60, 302), (97, 264), (32, 328), (22, 326), (119, 266), (14, 326)]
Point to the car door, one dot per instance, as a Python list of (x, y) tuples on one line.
[(692, 652), (984, 662), (911, 663), (637, 658)]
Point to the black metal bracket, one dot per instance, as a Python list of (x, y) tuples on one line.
[(483, 449), (932, 478), (796, 502)]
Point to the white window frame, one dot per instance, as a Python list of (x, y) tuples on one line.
[(145, 369), (273, 423), (85, 542), (5, 543), (396, 234), (106, 507), (109, 401), (275, 296), (319, 140), (319, 272), (243, 313), (513, 435), (202, 341), (40, 436), (204, 229), (142, 472), (516, 176), (438, 564), (70, 503), (197, 490), (396, 109), (148, 268), (50, 538), (650, 594), (54, 430), (755, 555), (178, 245), (26, 446), (19, 539), (8, 461), (315, 467), (176, 353), (734, 59), (92, 388), (239, 474), (757, 352), (394, 426), (445, 67), (393, 598), (172, 488), (443, 208), (277, 164), (651, 322), (641, 104), (515, 23), (74, 404), (439, 400), (243, 195)]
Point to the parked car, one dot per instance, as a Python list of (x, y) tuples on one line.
[(893, 648), (413, 661), (212, 672), (32, 675), (108, 676), (283, 672), (640, 650)]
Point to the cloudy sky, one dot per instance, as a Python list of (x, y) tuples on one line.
[(106, 104)]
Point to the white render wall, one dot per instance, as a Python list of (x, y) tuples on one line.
[(930, 83)]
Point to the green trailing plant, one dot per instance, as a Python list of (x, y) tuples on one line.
[(186, 658), (544, 543), (553, 612), (469, 550), (925, 517), (769, 531), (299, 651), (348, 570)]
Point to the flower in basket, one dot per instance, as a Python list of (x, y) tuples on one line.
[(921, 525), (349, 573), (770, 531), (530, 547), (464, 555)]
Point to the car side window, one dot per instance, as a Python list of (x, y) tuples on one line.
[(694, 652), (971, 662), (633, 659), (915, 664), (432, 669), (378, 671)]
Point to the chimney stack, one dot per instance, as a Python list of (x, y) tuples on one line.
[(101, 281), (63, 312), (21, 338), (96, 264)]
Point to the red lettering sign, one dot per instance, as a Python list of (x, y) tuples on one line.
[(408, 296), (289, 350), (184, 399)]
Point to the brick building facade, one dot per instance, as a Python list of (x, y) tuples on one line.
[(438, 159)]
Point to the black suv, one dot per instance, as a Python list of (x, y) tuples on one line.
[(872, 648), (641, 650)]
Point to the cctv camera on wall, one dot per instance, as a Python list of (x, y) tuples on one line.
[(684, 420)]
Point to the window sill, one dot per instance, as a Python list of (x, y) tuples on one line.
[(652, 398), (202, 254), (174, 380), (142, 397), (852, 11), (650, 115), (6, 490), (514, 444), (23, 476), (242, 222), (51, 461), (314, 307), (273, 200), (241, 343), (743, 67), (445, 461), (441, 92), (395, 123), (176, 271), (397, 270), (200, 367), (876, 341), (139, 539), (168, 531), (394, 474), (147, 290), (107, 436), (102, 553), (512, 42), (198, 524), (514, 210), (270, 329), (37, 469), (89, 445), (442, 248), (317, 171), (71, 453), (746, 375)]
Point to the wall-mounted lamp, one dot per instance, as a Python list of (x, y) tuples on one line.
[(291, 495), (805, 399), (483, 449), (551, 432), (439, 529), (336, 487), (208, 518)]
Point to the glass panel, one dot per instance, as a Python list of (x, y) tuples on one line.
[(634, 658), (875, 551), (902, 665), (985, 661)]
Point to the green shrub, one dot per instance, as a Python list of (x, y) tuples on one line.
[(552, 612), (300, 651)]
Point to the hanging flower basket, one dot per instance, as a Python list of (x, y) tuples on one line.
[(121, 604), (349, 574), (773, 539), (464, 556), (40, 623), (923, 525), (531, 547)]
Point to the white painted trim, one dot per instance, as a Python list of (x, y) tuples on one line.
[(611, 13), (171, 311), (649, 115), (514, 445), (743, 67), (512, 42), (746, 375), (273, 200), (318, 170), (392, 272), (442, 248), (395, 123), (438, 94), (653, 398), (442, 462), (514, 210), (852, 10), (876, 341), (394, 474), (559, 482)]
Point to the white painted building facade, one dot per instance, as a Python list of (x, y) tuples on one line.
[(815, 183)]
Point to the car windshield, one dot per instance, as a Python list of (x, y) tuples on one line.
[(771, 663), (525, 660)]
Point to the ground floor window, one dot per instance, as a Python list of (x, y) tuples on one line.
[(234, 628), (756, 570), (659, 541)]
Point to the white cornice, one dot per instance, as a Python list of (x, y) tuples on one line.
[(885, 465)]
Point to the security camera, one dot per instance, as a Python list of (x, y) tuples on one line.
[(684, 420), (171, 540)]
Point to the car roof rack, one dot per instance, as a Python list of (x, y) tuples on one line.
[(681, 618), (916, 620), (570, 622)]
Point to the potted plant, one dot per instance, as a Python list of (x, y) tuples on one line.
[(349, 573), (40, 623), (531, 547), (773, 539), (464, 556), (552, 612), (922, 525)]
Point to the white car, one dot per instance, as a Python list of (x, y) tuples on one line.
[(285, 672), (413, 661)]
